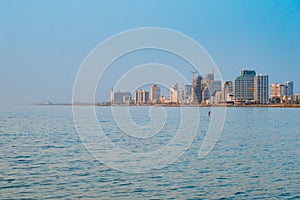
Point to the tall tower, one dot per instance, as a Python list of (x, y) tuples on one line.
[(226, 90), (154, 94), (187, 91), (199, 89), (261, 89), (193, 87), (174, 94)]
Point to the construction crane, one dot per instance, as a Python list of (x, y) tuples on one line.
[(193, 86)]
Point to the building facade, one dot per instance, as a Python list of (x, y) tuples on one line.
[(282, 93), (296, 98), (244, 86), (278, 90), (187, 91), (289, 88), (227, 89), (141, 97), (205, 94), (198, 90), (174, 94), (154, 94), (120, 97), (214, 87), (261, 89)]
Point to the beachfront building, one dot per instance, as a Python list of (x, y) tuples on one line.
[(181, 95), (227, 89), (174, 94), (187, 92), (154, 94), (120, 97), (289, 88), (278, 90), (261, 89), (282, 93), (244, 86), (296, 98), (141, 97)]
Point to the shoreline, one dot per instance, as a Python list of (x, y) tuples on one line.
[(183, 105)]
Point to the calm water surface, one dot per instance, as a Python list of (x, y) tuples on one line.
[(256, 157)]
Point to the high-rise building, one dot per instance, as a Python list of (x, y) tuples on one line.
[(213, 87), (174, 94), (198, 90), (289, 88), (120, 97), (261, 89), (244, 86), (181, 95), (187, 91), (226, 90), (154, 94), (205, 94), (141, 97)]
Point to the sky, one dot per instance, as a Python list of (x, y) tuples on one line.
[(43, 43)]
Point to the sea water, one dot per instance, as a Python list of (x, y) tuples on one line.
[(257, 156)]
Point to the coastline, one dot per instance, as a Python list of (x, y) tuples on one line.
[(184, 105)]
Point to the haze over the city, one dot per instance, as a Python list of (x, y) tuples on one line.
[(43, 43)]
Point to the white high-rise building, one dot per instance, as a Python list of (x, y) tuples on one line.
[(141, 97), (261, 89), (174, 94)]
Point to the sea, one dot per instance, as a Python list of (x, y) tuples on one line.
[(44, 156)]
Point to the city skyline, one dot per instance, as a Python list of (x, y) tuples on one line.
[(248, 87)]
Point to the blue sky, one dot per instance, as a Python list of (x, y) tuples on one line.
[(43, 43)]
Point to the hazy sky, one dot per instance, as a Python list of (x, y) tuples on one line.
[(43, 43)]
